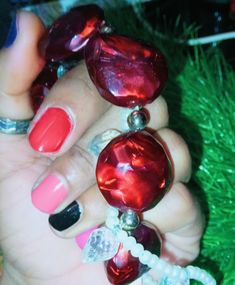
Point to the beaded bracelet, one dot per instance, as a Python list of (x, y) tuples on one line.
[(107, 240), (133, 171)]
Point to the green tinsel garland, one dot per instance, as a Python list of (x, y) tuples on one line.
[(205, 116), (200, 95)]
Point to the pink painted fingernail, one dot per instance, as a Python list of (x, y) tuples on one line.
[(81, 239), (49, 194)]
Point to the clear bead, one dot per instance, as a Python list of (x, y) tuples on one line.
[(101, 245)]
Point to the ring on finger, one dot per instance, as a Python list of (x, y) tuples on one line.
[(14, 127)]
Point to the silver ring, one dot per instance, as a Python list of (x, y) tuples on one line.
[(14, 127)]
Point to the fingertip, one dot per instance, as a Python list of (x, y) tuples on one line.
[(20, 58), (29, 29)]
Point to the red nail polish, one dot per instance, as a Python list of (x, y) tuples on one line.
[(50, 131)]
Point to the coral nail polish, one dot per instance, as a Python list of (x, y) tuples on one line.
[(49, 194), (51, 130)]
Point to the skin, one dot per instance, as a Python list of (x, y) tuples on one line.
[(33, 253)]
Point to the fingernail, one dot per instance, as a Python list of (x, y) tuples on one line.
[(12, 33), (51, 130), (49, 194), (66, 218), (82, 239)]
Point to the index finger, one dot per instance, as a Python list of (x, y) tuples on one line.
[(20, 64)]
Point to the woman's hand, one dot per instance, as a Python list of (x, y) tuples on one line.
[(58, 169)]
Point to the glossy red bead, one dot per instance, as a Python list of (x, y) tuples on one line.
[(42, 85), (70, 32), (123, 268), (133, 172), (125, 72)]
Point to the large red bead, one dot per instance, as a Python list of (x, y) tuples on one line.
[(125, 72), (133, 172), (42, 85), (70, 32), (123, 267)]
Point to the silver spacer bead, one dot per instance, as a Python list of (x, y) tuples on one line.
[(129, 220), (138, 120)]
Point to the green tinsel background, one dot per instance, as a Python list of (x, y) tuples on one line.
[(200, 95)]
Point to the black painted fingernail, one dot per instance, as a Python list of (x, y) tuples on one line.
[(12, 33), (66, 218)]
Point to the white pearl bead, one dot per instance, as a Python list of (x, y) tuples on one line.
[(168, 269), (112, 212), (180, 283), (122, 235), (201, 275), (137, 249), (175, 271), (145, 257), (109, 223), (183, 275), (147, 279), (153, 261), (209, 279), (115, 221), (160, 266), (129, 242), (112, 222)]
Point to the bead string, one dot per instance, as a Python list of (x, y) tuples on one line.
[(174, 272)]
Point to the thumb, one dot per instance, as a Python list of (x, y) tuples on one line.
[(20, 63)]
